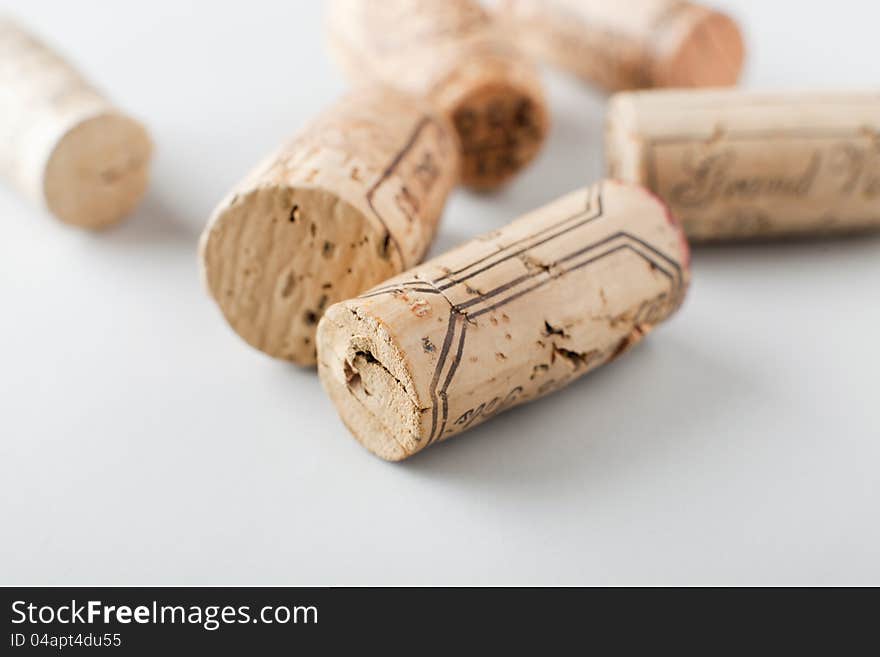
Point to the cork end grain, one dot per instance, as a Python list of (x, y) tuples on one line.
[(98, 172), (276, 257), (366, 377), (501, 128), (711, 54)]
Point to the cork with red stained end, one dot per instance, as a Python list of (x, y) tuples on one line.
[(455, 55), (630, 44), (504, 319), (353, 199)]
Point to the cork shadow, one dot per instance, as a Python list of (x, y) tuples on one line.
[(660, 400), (449, 236), (154, 223), (797, 266), (855, 244), (573, 154)]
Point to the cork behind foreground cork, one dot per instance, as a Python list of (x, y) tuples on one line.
[(62, 144), (503, 319), (353, 199), (630, 44), (736, 164), (454, 54)]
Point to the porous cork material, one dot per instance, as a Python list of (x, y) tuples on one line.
[(452, 53), (62, 144), (504, 319), (735, 165), (353, 199), (630, 44)]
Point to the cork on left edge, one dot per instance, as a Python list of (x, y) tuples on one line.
[(64, 145)]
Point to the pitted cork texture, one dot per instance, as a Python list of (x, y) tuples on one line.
[(62, 143), (742, 165), (504, 319), (352, 200), (630, 44), (455, 55)]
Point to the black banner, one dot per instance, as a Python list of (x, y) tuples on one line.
[(151, 621)]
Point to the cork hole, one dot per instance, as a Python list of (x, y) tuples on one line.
[(352, 376), (496, 114), (289, 284), (384, 246), (465, 121), (110, 176), (575, 359), (538, 370), (524, 114), (549, 330), (294, 214)]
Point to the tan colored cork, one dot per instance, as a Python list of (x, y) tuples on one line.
[(452, 53), (735, 164), (503, 319), (62, 144), (630, 44), (352, 200)]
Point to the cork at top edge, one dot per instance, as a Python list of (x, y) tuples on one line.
[(710, 54)]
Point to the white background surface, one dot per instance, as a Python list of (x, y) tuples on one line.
[(142, 442)]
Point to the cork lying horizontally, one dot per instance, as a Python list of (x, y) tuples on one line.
[(734, 164), (503, 319), (352, 200), (452, 53), (62, 144), (630, 44)]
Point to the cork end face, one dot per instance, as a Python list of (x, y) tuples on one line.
[(501, 128), (277, 257), (364, 375), (711, 55), (98, 172)]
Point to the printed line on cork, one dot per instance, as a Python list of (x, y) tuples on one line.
[(466, 369)]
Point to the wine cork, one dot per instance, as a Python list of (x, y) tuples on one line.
[(735, 165), (62, 144), (452, 53), (503, 319), (630, 44), (353, 199)]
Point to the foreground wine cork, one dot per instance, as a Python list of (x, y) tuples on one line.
[(630, 44), (502, 320), (735, 164), (352, 200), (62, 144), (452, 53)]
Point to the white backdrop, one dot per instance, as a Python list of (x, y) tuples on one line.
[(141, 442)]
